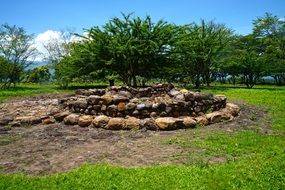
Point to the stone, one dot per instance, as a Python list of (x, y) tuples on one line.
[(81, 104), (93, 99), (232, 109), (190, 96), (103, 108), (30, 120), (121, 106), (149, 124), (118, 99), (180, 97), (112, 108), (174, 92), (107, 99), (189, 122), (153, 114), (124, 93), (71, 119), (116, 123), (141, 107), (184, 91), (169, 123), (48, 121), (130, 106), (5, 120), (163, 114), (85, 120), (202, 120), (132, 123), (136, 113), (60, 116), (96, 107), (217, 116), (100, 121)]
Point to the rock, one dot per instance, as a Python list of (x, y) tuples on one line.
[(174, 92), (149, 124), (121, 106), (163, 114), (118, 99), (116, 123), (132, 123), (141, 107), (93, 99), (103, 108), (153, 114), (96, 107), (136, 113), (189, 122), (169, 123), (85, 120), (184, 91), (71, 119), (190, 96), (124, 93), (202, 120), (232, 109), (60, 116), (48, 121), (100, 121), (130, 106), (107, 99), (217, 116), (30, 120), (81, 104), (180, 97), (5, 120), (112, 108)]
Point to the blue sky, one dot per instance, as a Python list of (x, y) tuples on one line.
[(38, 16)]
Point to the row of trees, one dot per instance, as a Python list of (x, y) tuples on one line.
[(136, 50)]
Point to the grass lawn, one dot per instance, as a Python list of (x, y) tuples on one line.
[(253, 160)]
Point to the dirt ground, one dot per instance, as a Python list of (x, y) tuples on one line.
[(46, 149)]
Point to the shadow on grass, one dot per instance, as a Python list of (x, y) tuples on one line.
[(86, 87), (228, 87)]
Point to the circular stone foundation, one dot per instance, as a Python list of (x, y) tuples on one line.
[(158, 107)]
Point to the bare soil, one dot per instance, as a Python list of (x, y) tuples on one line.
[(46, 149)]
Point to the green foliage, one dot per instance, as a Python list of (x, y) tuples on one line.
[(199, 47), (10, 73), (38, 75), (16, 48), (270, 31), (246, 60)]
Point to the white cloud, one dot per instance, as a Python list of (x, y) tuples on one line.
[(49, 36)]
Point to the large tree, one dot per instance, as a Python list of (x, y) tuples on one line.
[(269, 30), (16, 46), (198, 49), (132, 46)]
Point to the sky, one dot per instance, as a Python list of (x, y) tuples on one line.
[(44, 18)]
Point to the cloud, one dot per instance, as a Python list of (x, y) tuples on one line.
[(50, 36)]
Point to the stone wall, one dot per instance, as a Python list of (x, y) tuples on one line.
[(157, 101)]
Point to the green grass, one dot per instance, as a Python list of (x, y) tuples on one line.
[(251, 160), (28, 90)]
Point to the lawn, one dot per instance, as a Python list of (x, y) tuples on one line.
[(253, 160)]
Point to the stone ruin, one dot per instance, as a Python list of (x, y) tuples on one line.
[(159, 107)]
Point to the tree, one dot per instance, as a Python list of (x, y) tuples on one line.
[(198, 49), (38, 75), (270, 31), (16, 46), (247, 60), (131, 46)]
